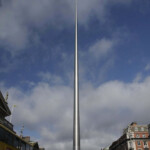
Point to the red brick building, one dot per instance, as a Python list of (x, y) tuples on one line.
[(135, 137)]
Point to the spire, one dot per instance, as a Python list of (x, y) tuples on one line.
[(76, 124)]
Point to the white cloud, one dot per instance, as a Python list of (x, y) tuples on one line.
[(88, 9), (20, 18), (138, 77), (105, 110), (13, 33), (54, 79), (98, 58), (147, 68), (102, 48)]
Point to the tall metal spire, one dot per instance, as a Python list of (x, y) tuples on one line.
[(76, 125)]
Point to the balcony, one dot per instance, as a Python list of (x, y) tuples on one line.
[(6, 123)]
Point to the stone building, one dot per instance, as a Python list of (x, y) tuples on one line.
[(135, 137)]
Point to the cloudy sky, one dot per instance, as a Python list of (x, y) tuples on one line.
[(36, 68)]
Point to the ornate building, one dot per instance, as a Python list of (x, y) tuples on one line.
[(135, 137)]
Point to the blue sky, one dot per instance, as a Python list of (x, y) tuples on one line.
[(36, 67)]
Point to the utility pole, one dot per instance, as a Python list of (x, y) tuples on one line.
[(76, 124)]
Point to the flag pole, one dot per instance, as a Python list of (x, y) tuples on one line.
[(76, 124)]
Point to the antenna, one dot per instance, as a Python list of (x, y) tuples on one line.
[(21, 131), (76, 124)]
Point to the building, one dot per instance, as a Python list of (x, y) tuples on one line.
[(4, 112), (135, 137), (8, 136), (34, 144)]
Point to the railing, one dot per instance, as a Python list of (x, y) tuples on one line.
[(6, 123)]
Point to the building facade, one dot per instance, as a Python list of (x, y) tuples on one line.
[(9, 140), (4, 112), (135, 137)]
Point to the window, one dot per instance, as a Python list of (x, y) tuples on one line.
[(130, 135), (130, 143), (31, 148), (142, 128), (138, 143), (136, 129), (137, 136), (23, 146), (10, 138), (145, 143), (27, 147), (143, 136), (2, 134), (17, 142)]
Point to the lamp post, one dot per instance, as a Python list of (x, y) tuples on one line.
[(76, 123)]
